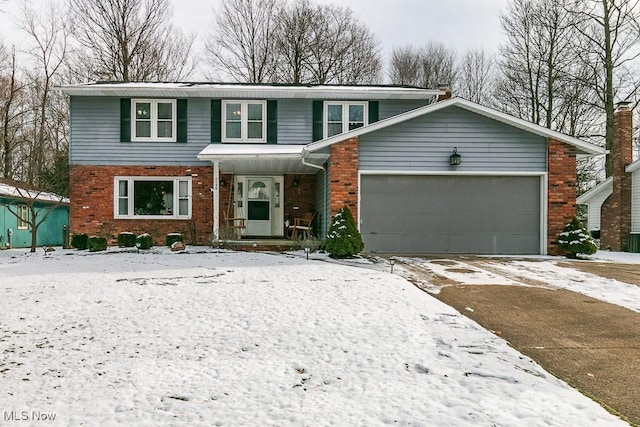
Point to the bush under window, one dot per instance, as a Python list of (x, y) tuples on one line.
[(144, 241), (96, 243), (126, 239), (173, 237), (79, 241)]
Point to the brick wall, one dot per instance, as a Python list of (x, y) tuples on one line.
[(343, 176), (91, 207), (300, 199), (615, 221), (561, 201)]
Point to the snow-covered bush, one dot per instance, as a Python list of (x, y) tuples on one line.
[(343, 238), (173, 237), (575, 239), (97, 243), (79, 241), (126, 239), (144, 241)]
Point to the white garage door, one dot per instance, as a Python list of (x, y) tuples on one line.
[(450, 214)]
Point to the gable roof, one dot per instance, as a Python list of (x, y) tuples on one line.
[(605, 186), (21, 190), (582, 146), (246, 90)]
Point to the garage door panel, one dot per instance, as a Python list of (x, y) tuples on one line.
[(450, 214)]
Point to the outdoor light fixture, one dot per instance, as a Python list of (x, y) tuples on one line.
[(454, 159), (222, 182), (295, 182), (392, 262), (306, 251)]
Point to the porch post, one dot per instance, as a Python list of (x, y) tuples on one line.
[(216, 200)]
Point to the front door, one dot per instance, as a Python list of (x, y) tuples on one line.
[(260, 203)]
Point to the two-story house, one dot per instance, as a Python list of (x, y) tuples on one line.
[(421, 173)]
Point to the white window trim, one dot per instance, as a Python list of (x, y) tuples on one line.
[(154, 120), (244, 123), (22, 224), (345, 115), (130, 204)]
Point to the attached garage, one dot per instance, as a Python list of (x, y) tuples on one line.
[(451, 214)]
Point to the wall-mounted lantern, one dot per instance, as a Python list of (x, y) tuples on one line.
[(295, 182), (454, 159), (222, 182)]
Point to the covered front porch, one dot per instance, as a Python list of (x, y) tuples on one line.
[(260, 191)]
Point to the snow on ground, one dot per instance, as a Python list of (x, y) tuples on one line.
[(223, 338), (527, 270)]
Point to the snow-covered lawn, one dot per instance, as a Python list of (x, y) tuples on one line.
[(223, 338)]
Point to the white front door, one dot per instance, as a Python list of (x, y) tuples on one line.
[(259, 200)]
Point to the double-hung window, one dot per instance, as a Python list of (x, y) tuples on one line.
[(153, 120), (23, 217), (343, 116), (244, 121), (155, 197)]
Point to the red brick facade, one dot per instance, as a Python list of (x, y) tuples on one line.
[(561, 197), (299, 199), (615, 220), (92, 200), (343, 176)]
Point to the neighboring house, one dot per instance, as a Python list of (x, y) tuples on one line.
[(16, 230), (613, 206), (167, 157)]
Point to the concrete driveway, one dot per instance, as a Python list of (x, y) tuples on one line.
[(592, 345)]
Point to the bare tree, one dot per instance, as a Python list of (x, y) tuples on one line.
[(610, 31), (129, 40), (265, 41), (242, 45), (404, 68), (10, 108), (476, 75), (429, 66), (47, 36)]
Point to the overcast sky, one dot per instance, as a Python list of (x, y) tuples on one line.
[(460, 24)]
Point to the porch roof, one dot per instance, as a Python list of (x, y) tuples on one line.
[(263, 159)]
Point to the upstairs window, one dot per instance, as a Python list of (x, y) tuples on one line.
[(153, 120), (23, 217), (155, 197), (244, 121), (342, 117)]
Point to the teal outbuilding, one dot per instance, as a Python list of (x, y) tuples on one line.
[(15, 231)]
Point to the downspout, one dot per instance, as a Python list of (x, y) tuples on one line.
[(305, 153), (216, 200)]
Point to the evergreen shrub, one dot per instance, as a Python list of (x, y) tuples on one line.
[(173, 237), (144, 241), (343, 238), (79, 241), (575, 239), (126, 239), (97, 243)]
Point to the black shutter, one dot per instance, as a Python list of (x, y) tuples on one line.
[(216, 120), (318, 132), (182, 120), (373, 111), (125, 120), (272, 122)]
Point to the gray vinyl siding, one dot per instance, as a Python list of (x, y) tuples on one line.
[(95, 136), (295, 121), (425, 144), (390, 108)]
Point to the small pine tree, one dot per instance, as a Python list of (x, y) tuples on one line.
[(575, 239), (343, 239)]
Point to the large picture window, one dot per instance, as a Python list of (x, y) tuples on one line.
[(23, 217), (159, 197), (244, 121), (153, 120), (343, 116)]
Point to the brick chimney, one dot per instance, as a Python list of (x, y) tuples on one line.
[(616, 210), (445, 92)]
